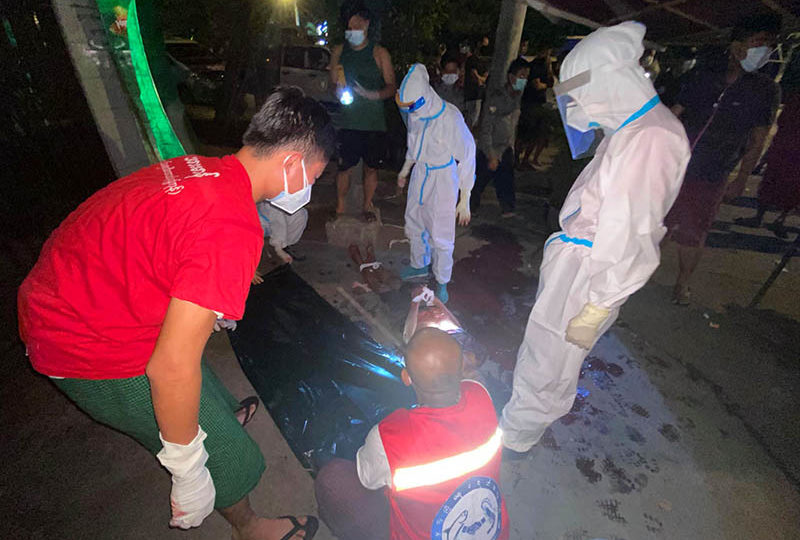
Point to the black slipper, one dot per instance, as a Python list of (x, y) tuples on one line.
[(250, 411), (310, 528)]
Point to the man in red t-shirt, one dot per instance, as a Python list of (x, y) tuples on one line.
[(123, 298), (428, 473)]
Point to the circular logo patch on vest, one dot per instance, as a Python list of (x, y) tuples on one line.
[(471, 513)]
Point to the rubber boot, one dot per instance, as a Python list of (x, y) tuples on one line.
[(441, 292), (409, 272)]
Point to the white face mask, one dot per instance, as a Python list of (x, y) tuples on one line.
[(354, 37), (756, 58), (450, 78), (292, 202)]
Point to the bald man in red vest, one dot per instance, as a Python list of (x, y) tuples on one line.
[(429, 472)]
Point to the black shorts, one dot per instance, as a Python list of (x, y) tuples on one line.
[(354, 145)]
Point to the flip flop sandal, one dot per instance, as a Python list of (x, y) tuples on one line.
[(250, 406), (310, 528), (682, 298)]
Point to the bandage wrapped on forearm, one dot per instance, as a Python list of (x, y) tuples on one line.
[(583, 329), (193, 491), (402, 176)]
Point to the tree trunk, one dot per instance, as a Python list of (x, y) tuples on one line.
[(237, 58), (507, 38)]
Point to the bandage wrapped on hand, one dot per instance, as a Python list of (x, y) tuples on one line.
[(463, 214), (583, 329), (193, 493)]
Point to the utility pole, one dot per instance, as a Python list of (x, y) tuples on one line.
[(506, 40)]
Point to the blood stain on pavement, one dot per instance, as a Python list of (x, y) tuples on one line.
[(620, 483), (548, 440), (485, 285), (641, 411), (586, 467), (669, 432), (634, 435)]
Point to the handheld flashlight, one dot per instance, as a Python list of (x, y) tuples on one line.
[(346, 97)]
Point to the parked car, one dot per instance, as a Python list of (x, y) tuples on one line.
[(305, 66), (198, 70)]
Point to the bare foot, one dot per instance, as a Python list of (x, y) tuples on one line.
[(268, 529)]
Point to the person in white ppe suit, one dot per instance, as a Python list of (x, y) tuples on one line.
[(282, 228), (612, 222), (441, 152)]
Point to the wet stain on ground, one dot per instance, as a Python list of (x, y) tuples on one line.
[(594, 363), (586, 467), (641, 480), (634, 435), (657, 361), (568, 419), (548, 440), (578, 534), (652, 523), (601, 373), (689, 401), (669, 432), (635, 459), (618, 478), (641, 411), (490, 295), (610, 509)]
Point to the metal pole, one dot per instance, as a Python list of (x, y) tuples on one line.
[(791, 252)]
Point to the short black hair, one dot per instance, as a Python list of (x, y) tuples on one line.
[(449, 58), (749, 25), (352, 8), (517, 65), (291, 119)]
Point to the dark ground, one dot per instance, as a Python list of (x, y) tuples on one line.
[(686, 424)]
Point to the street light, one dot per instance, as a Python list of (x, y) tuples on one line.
[(296, 12)]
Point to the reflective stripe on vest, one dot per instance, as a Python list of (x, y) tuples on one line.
[(449, 468)]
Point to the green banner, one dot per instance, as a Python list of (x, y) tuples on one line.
[(121, 20)]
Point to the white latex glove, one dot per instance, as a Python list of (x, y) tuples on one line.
[(193, 494), (584, 327), (402, 176), (463, 214)]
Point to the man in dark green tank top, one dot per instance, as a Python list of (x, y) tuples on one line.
[(364, 69)]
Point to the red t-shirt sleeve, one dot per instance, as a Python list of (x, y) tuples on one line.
[(216, 266)]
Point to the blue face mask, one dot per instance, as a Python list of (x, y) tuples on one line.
[(756, 58), (354, 37), (519, 84)]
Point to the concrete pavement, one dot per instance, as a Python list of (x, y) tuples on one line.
[(686, 426)]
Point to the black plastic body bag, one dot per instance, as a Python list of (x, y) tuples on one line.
[(323, 380)]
